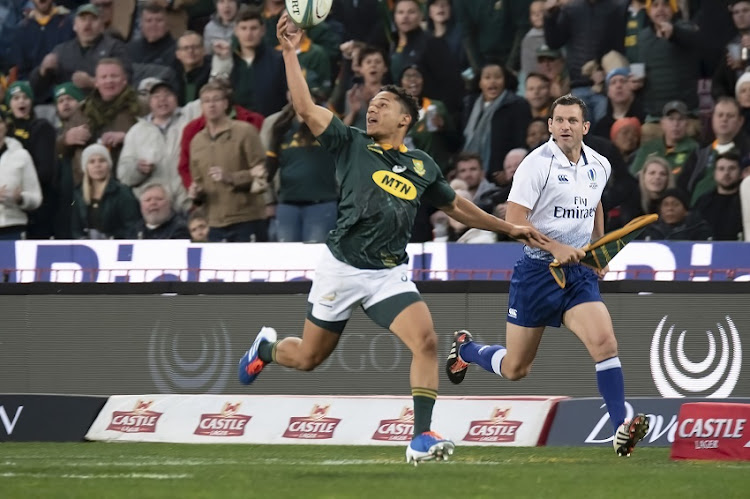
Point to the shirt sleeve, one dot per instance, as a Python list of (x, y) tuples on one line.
[(439, 193), (528, 182), (335, 136)]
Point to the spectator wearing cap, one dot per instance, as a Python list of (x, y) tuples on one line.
[(159, 220), (721, 207), (255, 68), (493, 30), (413, 45), (675, 145), (151, 150), (551, 64), (621, 102), (19, 186), (105, 116), (227, 165), (221, 25), (697, 177), (37, 136), (435, 132), (45, 26), (533, 39), (497, 120), (587, 29), (625, 134), (538, 95), (733, 65), (193, 66), (153, 53), (103, 208), (76, 59), (742, 94), (68, 98), (676, 221), (670, 49)]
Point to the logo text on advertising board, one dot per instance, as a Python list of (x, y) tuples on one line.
[(140, 420), (713, 377), (228, 423), (498, 428), (396, 430), (316, 426), (602, 432), (10, 424)]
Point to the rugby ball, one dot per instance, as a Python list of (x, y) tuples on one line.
[(308, 13)]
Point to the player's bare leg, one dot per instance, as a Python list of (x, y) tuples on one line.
[(592, 324), (304, 353), (415, 328)]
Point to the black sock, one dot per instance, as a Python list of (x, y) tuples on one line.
[(424, 401), (266, 350)]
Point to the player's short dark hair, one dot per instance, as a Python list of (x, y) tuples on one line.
[(408, 102), (570, 100), (726, 99), (250, 13), (467, 156)]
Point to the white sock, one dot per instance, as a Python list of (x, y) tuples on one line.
[(497, 359)]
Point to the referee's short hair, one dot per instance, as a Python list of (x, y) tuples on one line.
[(570, 100), (408, 102)]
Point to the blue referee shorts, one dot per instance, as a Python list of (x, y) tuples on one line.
[(537, 300)]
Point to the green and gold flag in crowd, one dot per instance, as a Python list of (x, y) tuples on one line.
[(602, 251)]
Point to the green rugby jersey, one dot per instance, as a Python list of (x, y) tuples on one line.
[(380, 190)]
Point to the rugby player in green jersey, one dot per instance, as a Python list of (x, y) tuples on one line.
[(382, 184)]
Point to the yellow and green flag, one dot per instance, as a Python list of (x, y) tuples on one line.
[(602, 251)]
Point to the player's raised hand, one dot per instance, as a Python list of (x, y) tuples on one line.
[(529, 236), (288, 33)]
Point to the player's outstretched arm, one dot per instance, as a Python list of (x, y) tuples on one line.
[(469, 214), (519, 215), (317, 118)]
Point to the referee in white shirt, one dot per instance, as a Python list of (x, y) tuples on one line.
[(558, 189)]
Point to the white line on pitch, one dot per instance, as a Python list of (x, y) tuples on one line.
[(146, 476)]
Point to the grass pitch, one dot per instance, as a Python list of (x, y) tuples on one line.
[(100, 470)]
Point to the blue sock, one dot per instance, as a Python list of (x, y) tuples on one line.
[(612, 387), (488, 357)]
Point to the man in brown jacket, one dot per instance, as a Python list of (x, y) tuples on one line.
[(227, 165), (105, 116)]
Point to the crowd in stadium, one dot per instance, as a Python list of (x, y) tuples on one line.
[(169, 119)]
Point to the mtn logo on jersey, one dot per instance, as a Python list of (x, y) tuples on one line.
[(395, 184)]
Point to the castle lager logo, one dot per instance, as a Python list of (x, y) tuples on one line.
[(714, 376), (396, 430), (228, 423), (498, 428), (316, 426), (140, 420)]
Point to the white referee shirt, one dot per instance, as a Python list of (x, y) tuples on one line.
[(562, 196)]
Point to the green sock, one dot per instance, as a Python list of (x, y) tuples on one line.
[(424, 401), (266, 350)]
